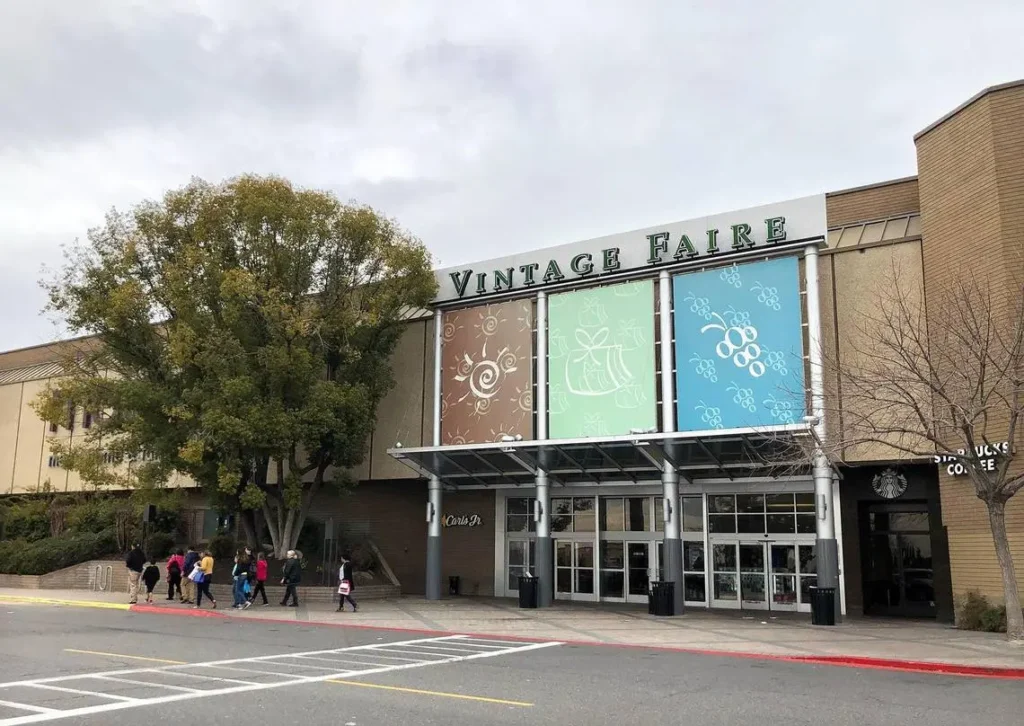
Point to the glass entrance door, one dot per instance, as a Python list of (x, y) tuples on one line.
[(782, 559), (574, 570), (638, 571), (753, 576)]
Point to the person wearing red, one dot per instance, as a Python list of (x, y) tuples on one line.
[(261, 580), (175, 569)]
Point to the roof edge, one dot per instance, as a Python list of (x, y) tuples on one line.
[(874, 185), (42, 346), (973, 99)]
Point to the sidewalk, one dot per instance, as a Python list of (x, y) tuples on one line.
[(858, 641)]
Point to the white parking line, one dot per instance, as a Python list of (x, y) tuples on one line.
[(42, 714), (27, 707), (76, 691), (149, 684), (207, 678)]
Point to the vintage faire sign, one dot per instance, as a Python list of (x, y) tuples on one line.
[(696, 240)]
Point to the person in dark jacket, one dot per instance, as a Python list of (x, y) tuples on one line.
[(291, 576), (346, 584), (189, 587), (243, 564), (151, 576), (136, 563)]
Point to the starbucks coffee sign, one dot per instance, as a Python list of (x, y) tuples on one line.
[(697, 241)]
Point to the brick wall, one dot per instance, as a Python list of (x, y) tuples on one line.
[(392, 515), (971, 172), (872, 202)]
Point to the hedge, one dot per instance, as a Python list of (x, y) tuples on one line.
[(21, 557)]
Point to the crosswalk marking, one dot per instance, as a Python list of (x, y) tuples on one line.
[(343, 666)]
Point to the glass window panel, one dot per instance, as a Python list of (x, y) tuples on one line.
[(612, 517), (514, 573), (517, 505), (638, 514), (693, 588), (584, 555), (517, 523), (750, 523), (724, 556), (583, 514), (783, 559), (561, 505), (807, 561), (659, 516), (805, 588), (584, 581), (722, 523), (750, 503), (779, 502), (613, 584), (805, 502), (563, 579), (722, 503), (563, 554), (693, 514), (517, 554), (805, 524), (638, 581), (781, 523), (693, 556), (908, 522), (612, 556), (725, 587)]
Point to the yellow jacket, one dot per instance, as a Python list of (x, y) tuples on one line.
[(206, 565)]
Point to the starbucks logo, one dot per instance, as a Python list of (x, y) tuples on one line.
[(890, 484)]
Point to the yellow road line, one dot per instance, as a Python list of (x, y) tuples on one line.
[(122, 655), (20, 599), (439, 694)]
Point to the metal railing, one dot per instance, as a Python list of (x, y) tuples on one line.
[(103, 577)]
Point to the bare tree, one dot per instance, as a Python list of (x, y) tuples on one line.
[(943, 383)]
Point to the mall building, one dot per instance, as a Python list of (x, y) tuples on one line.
[(605, 413)]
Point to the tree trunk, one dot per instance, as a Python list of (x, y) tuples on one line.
[(248, 519), (1011, 594)]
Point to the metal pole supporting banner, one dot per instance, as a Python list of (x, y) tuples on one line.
[(826, 549), (673, 545), (543, 564), (433, 584)]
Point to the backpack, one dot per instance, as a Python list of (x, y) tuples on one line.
[(173, 568)]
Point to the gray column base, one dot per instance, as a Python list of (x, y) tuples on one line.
[(433, 588), (544, 568), (673, 553), (826, 552)]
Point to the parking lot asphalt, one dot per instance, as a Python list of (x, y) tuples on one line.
[(89, 666)]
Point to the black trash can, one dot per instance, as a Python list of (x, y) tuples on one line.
[(823, 605), (528, 588), (661, 599), (453, 585)]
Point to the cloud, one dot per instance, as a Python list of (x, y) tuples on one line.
[(483, 127)]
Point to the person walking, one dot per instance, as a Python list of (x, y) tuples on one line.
[(206, 566), (150, 576), (189, 587), (240, 576), (346, 584), (291, 577), (136, 563), (261, 580), (175, 568)]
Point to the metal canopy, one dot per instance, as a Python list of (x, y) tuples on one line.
[(728, 454)]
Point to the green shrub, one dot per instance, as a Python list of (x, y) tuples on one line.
[(22, 557), (26, 519), (159, 545), (222, 546), (975, 612)]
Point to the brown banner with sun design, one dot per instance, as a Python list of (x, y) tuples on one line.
[(487, 373)]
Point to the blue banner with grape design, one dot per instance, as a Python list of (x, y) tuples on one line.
[(739, 346)]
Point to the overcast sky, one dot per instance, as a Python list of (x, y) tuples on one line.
[(484, 127)]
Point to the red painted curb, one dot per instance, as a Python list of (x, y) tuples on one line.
[(840, 661)]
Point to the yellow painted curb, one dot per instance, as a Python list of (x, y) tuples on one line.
[(25, 600)]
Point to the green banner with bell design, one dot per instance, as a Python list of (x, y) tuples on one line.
[(601, 371)]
